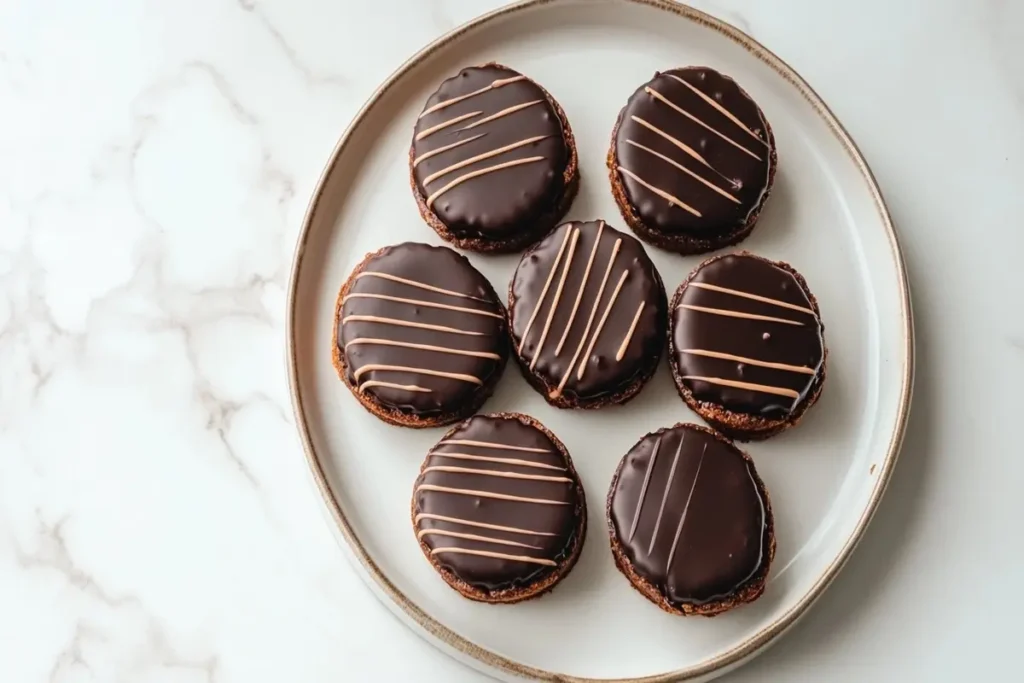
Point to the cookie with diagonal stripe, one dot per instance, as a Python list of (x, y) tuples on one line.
[(747, 346), (419, 336), (692, 161), (587, 316), (498, 509), (493, 163), (690, 521)]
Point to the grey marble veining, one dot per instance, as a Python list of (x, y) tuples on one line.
[(155, 160)]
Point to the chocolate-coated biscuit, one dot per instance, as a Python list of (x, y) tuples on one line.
[(746, 346), (587, 316), (498, 509), (420, 336), (690, 521), (493, 162), (692, 161)]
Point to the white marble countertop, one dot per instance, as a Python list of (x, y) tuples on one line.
[(156, 523)]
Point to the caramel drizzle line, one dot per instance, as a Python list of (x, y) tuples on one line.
[(629, 335), (583, 285), (441, 150), (558, 297), (755, 297), (423, 347), (421, 285), (664, 495), (506, 461), (600, 325), (482, 525), (643, 490), (719, 107), (750, 361), (474, 537), (678, 143), (683, 146), (481, 157), (491, 444), (500, 556), (407, 387), (764, 388), (501, 114), (590, 320), (406, 323), (544, 291), (494, 473), (682, 168), (661, 193), (686, 508), (406, 368), (445, 124), (658, 95), (483, 171), (419, 302), (740, 314), (454, 100), (488, 494)]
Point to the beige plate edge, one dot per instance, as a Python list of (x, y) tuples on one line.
[(765, 636)]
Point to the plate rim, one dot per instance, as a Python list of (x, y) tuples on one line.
[(767, 635)]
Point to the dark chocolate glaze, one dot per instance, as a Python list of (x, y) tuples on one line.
[(506, 201), (479, 333), (798, 345), (693, 523), (729, 168), (604, 374), (545, 530)]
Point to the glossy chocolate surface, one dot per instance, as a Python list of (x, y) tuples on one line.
[(421, 330), (693, 153), (497, 504), (588, 311), (491, 137), (746, 336), (688, 513)]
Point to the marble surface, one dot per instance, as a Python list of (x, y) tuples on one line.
[(156, 522)]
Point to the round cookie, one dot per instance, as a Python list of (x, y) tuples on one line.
[(498, 509), (747, 346), (419, 335), (587, 316), (692, 161), (493, 161), (691, 522)]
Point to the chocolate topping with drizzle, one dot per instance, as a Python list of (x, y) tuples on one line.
[(693, 153), (686, 509), (497, 503), (587, 311), (746, 336), (489, 153), (421, 330)]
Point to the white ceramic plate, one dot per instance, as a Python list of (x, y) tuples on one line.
[(825, 216)]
